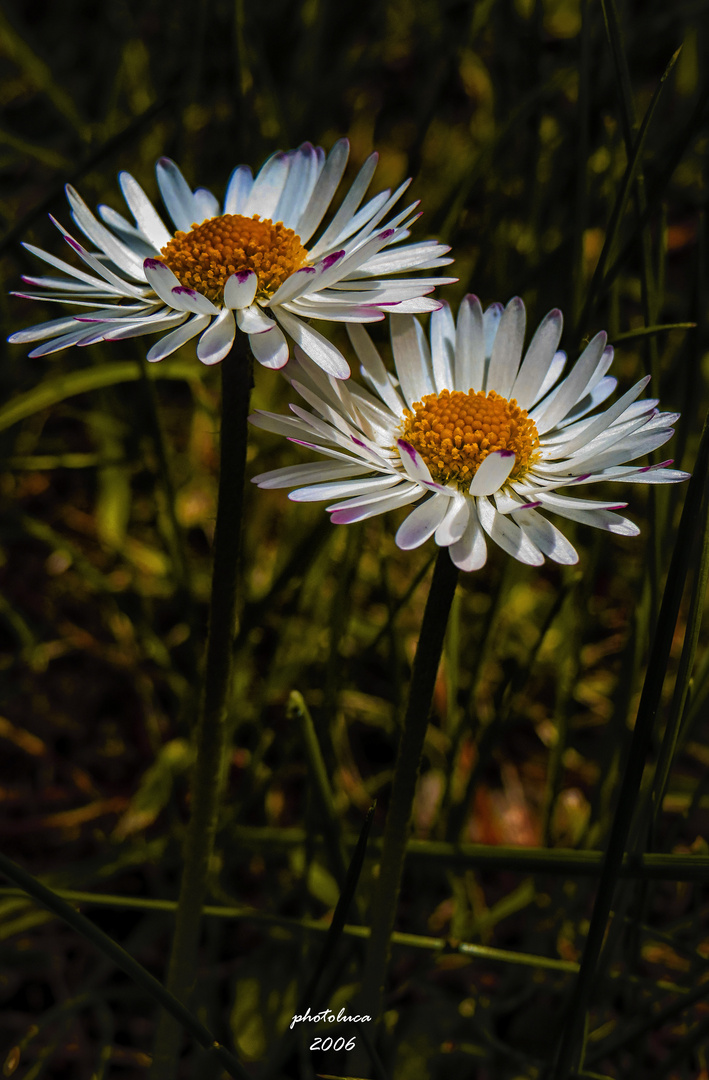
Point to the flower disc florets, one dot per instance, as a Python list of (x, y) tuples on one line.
[(454, 432), (205, 257)]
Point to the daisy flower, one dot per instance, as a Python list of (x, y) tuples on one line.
[(485, 441), (250, 264)]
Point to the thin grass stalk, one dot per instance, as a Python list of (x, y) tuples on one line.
[(582, 155), (686, 664), (212, 728), (569, 1048), (122, 960), (396, 831), (634, 150)]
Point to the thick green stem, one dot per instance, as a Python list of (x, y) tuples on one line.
[(211, 729), (396, 832)]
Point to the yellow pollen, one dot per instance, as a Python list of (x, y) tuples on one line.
[(205, 257), (454, 432)]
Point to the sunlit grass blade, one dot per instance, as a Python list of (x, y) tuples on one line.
[(59, 388)]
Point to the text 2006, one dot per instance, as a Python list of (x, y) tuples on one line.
[(333, 1044)]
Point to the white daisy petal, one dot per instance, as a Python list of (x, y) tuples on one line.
[(153, 324), (455, 522), (91, 283), (270, 348), (422, 522), (176, 193), (205, 206), (305, 167), (506, 534), (347, 210), (56, 344), (191, 300), (356, 511), (443, 347), (573, 388), (123, 287), (240, 289), (280, 425), (413, 463), (491, 322), (598, 519), (552, 376), (253, 320), (339, 489), (267, 186), (146, 216), (554, 501), (118, 252), (602, 422), (420, 305), (507, 349), (306, 308), (469, 368), (589, 402), (493, 472), (538, 359), (412, 358), (408, 257), (297, 283), (162, 280), (126, 232), (655, 474), (629, 449), (171, 342), (315, 345), (550, 541), (323, 191), (217, 340), (238, 190), (470, 552), (373, 367), (43, 330), (312, 473)]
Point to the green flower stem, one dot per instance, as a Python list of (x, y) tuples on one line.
[(211, 728), (123, 960), (396, 832)]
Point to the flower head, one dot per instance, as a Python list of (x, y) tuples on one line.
[(485, 441), (250, 264)]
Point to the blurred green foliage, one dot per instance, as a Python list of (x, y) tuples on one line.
[(514, 121)]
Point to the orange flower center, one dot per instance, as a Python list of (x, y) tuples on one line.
[(205, 257), (454, 432)]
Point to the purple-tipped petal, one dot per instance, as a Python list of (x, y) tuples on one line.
[(162, 281), (270, 348), (421, 523), (240, 289), (217, 340), (191, 300), (414, 464), (493, 472)]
